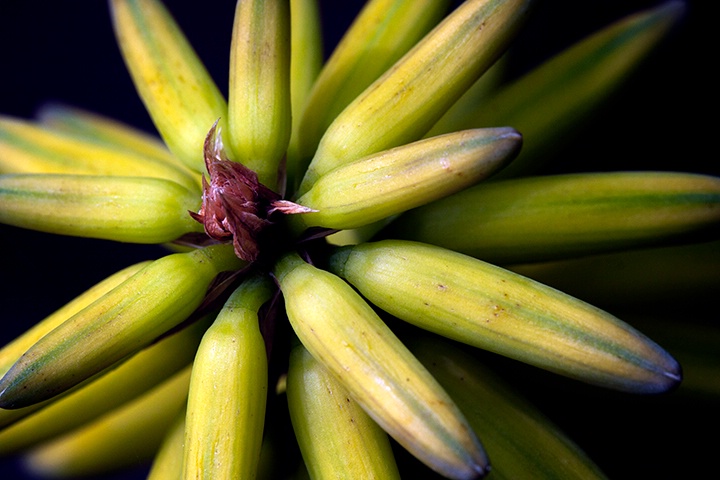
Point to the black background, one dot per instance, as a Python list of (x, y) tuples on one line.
[(65, 52)]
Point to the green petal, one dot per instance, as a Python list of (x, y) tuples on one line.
[(520, 440), (561, 216)]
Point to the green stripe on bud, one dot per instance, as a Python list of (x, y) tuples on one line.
[(488, 307), (121, 322), (259, 96), (542, 218)]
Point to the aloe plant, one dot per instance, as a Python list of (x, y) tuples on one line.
[(633, 127)]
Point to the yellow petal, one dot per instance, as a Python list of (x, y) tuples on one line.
[(177, 90), (259, 106), (404, 103), (382, 33), (306, 57), (30, 148)]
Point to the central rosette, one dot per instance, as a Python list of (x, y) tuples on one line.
[(236, 206)]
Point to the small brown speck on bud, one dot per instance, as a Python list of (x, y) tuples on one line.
[(235, 205)]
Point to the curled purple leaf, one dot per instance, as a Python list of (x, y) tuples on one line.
[(235, 205)]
